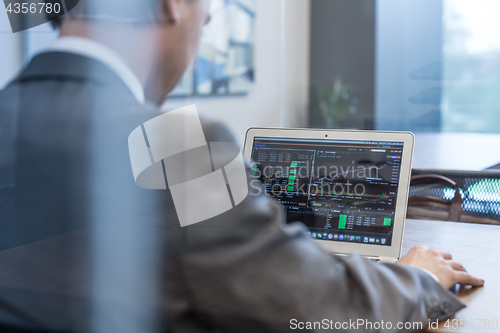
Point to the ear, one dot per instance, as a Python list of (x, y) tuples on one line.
[(171, 10)]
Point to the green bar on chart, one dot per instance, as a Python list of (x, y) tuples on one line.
[(342, 221)]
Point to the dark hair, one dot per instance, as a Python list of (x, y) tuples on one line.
[(134, 11)]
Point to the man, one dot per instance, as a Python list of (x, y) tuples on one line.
[(120, 261)]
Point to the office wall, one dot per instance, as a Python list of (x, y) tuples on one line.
[(261, 106), (297, 57)]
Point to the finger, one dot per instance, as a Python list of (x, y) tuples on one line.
[(456, 265), (467, 279), (446, 255)]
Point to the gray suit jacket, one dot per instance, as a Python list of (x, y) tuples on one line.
[(98, 253)]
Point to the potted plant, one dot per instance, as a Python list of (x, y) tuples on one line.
[(334, 100)]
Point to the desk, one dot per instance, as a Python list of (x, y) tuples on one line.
[(452, 151), (477, 247)]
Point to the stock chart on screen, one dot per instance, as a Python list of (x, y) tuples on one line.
[(341, 190)]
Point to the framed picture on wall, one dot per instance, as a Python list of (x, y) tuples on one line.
[(224, 65)]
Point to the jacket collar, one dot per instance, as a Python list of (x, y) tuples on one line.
[(69, 66)]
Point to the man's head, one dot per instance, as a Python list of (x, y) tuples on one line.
[(158, 39)]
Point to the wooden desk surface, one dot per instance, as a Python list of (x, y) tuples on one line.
[(456, 151), (477, 247)]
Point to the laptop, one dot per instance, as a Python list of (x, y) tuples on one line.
[(349, 188)]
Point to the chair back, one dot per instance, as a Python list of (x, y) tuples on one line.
[(452, 195)]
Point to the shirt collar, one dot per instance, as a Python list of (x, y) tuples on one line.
[(92, 49)]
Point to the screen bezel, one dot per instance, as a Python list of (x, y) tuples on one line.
[(408, 139)]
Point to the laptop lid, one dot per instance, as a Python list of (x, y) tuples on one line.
[(350, 188)]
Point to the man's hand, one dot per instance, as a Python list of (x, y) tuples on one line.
[(440, 263)]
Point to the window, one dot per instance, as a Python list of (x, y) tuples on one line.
[(437, 66)]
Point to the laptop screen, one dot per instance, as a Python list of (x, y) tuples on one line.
[(343, 191)]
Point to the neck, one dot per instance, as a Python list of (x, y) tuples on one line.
[(135, 44)]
